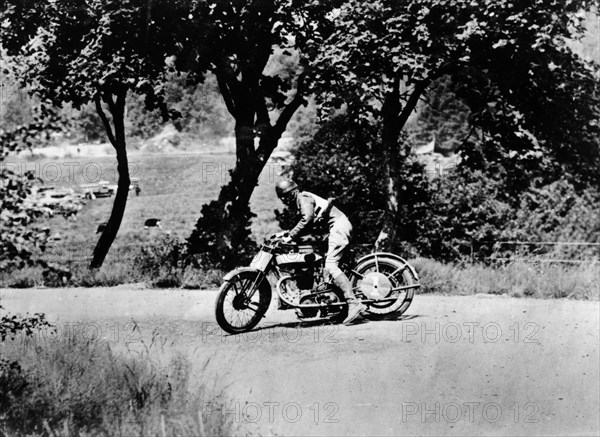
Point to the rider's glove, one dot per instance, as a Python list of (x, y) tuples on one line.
[(286, 239)]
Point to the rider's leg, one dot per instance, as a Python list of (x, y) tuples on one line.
[(338, 240)]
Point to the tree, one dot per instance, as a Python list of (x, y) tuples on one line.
[(97, 51), (532, 100), (237, 41)]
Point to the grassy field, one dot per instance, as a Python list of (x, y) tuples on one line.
[(173, 188)]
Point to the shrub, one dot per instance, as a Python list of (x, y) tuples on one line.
[(341, 161), (161, 262)]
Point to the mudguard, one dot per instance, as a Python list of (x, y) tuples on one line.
[(239, 270), (387, 255), (264, 283)]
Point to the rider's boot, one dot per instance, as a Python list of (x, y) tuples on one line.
[(354, 306)]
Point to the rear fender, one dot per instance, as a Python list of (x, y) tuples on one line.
[(388, 255)]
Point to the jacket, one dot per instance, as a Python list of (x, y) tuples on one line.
[(313, 208)]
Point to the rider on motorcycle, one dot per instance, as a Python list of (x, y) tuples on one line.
[(313, 208)]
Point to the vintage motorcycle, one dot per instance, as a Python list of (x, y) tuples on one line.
[(383, 281)]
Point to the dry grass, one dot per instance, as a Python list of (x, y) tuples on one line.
[(79, 386), (516, 279)]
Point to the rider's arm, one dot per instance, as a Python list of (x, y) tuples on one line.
[(306, 207)]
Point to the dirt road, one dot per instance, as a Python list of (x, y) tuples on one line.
[(452, 365)]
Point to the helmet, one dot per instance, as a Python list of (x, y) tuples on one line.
[(284, 187)]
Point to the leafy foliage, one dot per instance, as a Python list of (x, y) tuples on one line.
[(162, 262), (10, 326), (443, 117), (342, 161), (529, 95), (439, 218), (20, 238)]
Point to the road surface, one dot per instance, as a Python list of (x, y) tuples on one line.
[(451, 365)]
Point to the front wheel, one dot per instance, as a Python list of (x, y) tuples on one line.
[(242, 301), (389, 281)]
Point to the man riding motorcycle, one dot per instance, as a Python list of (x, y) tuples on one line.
[(313, 208)]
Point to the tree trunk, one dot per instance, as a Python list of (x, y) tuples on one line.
[(394, 118), (235, 197), (117, 109), (224, 223), (391, 130)]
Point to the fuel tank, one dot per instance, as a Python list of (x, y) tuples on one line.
[(305, 255)]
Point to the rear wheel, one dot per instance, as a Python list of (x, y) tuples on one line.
[(235, 312), (385, 278)]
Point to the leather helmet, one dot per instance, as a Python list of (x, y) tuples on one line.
[(284, 187)]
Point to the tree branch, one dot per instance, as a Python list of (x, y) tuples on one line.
[(108, 98), (269, 142), (226, 93), (105, 121), (290, 109), (118, 118), (262, 113), (412, 102)]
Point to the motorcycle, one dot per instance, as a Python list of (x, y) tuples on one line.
[(384, 282)]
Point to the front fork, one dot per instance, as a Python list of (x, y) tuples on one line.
[(260, 276)]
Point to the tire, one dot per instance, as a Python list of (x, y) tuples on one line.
[(231, 306), (398, 273)]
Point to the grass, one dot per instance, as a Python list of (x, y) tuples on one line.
[(80, 386), (174, 188), (517, 279)]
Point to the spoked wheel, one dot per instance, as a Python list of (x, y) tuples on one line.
[(242, 302), (387, 279)]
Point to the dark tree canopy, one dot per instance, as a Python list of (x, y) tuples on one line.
[(533, 102)]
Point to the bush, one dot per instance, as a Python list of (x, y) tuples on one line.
[(466, 207), (16, 324), (340, 161), (161, 262), (165, 264)]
